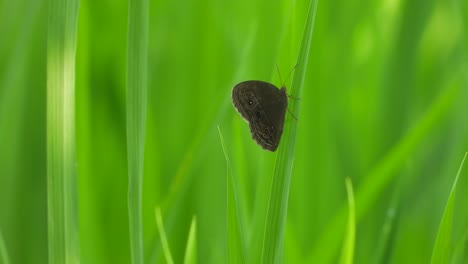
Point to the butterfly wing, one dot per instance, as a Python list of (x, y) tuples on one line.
[(264, 107), (244, 99)]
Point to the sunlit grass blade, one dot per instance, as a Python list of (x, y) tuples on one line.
[(190, 256), (162, 235), (382, 174), (235, 250), (347, 254), (137, 75), (3, 251), (275, 223), (64, 246), (442, 246)]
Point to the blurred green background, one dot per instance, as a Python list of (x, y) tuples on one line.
[(369, 108)]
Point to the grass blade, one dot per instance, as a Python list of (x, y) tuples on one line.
[(348, 245), (162, 235), (383, 245), (61, 151), (137, 69), (191, 249), (382, 174), (441, 251), (278, 202), (3, 251), (234, 239), (459, 251), (194, 154)]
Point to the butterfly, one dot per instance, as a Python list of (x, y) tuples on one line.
[(263, 106)]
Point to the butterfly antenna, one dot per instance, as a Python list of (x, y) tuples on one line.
[(290, 96), (293, 97), (295, 66), (291, 113), (277, 69)]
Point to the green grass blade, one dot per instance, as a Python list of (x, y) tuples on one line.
[(162, 235), (347, 254), (277, 207), (459, 251), (61, 151), (191, 249), (193, 155), (383, 244), (234, 238), (196, 146), (441, 251), (382, 174), (137, 70), (3, 251)]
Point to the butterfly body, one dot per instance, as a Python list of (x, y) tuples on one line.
[(263, 106)]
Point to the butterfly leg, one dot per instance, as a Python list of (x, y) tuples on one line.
[(292, 114)]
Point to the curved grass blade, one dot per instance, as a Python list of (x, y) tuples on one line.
[(441, 251), (382, 174), (278, 202), (162, 234), (62, 198), (3, 251), (191, 249), (137, 70), (234, 238), (347, 255)]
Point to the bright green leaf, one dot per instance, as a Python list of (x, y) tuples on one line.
[(442, 247), (234, 238), (347, 254), (162, 235), (191, 249)]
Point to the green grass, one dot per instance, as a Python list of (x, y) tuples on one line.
[(3, 250), (383, 173), (384, 243), (235, 243), (347, 254), (63, 231), (162, 235), (383, 94), (190, 256), (275, 223), (459, 253), (137, 75), (442, 247)]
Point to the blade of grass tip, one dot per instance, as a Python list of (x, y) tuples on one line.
[(234, 238), (3, 250), (191, 249), (383, 173), (442, 246), (162, 235), (137, 69), (62, 199), (347, 255), (272, 250)]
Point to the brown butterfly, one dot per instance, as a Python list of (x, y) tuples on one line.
[(263, 106)]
